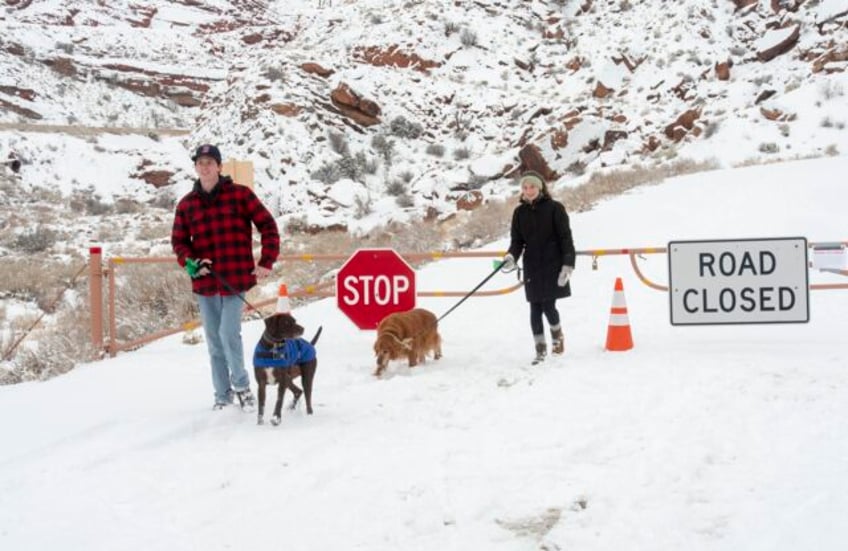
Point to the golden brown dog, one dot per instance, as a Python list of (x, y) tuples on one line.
[(408, 335)]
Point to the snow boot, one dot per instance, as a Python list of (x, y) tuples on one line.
[(557, 341), (541, 352)]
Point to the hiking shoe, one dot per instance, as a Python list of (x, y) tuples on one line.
[(557, 342), (221, 404), (246, 399)]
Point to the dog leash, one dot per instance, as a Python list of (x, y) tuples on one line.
[(229, 288), (474, 290)]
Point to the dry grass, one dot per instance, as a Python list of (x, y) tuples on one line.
[(37, 279), (602, 185)]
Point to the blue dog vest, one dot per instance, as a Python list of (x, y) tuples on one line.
[(285, 354)]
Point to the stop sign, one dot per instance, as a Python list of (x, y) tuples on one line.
[(372, 284)]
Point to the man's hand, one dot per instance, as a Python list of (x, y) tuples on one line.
[(261, 273), (197, 268), (564, 275), (508, 263)]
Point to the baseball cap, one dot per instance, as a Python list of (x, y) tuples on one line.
[(207, 150)]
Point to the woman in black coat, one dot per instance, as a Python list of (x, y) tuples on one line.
[(541, 232)]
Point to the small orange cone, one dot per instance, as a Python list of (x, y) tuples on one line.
[(283, 306), (618, 332)]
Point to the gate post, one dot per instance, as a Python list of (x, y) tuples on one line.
[(95, 290)]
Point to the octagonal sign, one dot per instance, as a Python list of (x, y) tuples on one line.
[(372, 284)]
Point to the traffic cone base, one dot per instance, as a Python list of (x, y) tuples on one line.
[(619, 338), (283, 306)]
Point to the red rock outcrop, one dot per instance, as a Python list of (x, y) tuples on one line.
[(677, 130), (364, 111), (532, 159), (393, 57), (315, 69), (781, 47)]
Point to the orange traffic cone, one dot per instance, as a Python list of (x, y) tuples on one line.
[(618, 332), (283, 306)]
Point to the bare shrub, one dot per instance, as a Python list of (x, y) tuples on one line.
[(403, 128), (830, 89), (769, 148), (364, 207), (385, 147), (155, 230), (450, 28), (327, 173), (405, 201), (351, 167), (468, 38), (395, 188), (36, 278), (437, 150), (66, 47), (461, 153), (54, 345), (711, 128), (578, 168), (152, 297), (370, 166), (35, 241), (484, 224), (88, 202), (338, 143), (58, 348), (461, 124), (126, 205)]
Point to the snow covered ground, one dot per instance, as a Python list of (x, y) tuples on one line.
[(700, 438)]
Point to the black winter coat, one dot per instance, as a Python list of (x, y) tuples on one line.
[(540, 230)]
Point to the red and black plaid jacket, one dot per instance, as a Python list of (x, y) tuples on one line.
[(218, 226)]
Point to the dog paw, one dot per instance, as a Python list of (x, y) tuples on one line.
[(260, 421), (275, 420)]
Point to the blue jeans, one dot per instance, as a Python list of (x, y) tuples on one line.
[(221, 317)]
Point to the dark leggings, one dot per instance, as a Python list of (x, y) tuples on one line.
[(548, 308)]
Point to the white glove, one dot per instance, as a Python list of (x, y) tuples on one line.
[(564, 275), (508, 263)]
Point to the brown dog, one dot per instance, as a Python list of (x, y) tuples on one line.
[(409, 334), (280, 356)]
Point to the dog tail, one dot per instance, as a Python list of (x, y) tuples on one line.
[(317, 334)]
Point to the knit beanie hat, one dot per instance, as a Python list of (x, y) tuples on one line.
[(534, 179)]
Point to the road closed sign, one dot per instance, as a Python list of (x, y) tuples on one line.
[(738, 281)]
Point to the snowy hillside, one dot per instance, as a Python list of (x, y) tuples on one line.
[(356, 113), (700, 438)]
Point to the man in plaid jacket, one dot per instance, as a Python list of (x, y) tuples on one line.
[(212, 237)]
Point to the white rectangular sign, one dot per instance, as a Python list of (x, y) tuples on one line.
[(738, 281)]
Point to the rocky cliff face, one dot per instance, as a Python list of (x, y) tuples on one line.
[(358, 112)]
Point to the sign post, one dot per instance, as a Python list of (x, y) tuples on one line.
[(372, 284), (738, 281)]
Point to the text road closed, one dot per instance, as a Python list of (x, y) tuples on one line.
[(738, 281)]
